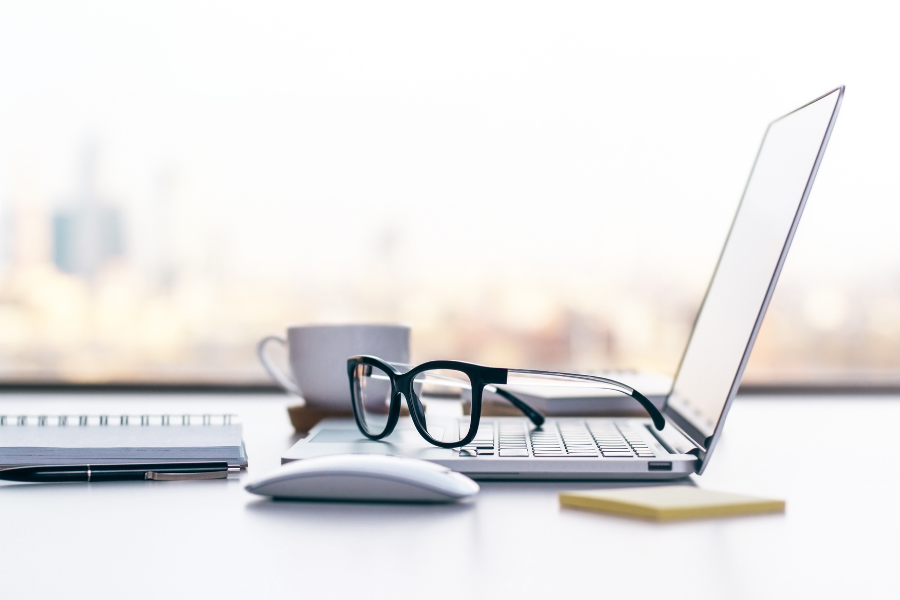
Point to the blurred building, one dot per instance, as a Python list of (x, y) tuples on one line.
[(89, 232)]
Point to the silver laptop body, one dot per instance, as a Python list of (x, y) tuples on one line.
[(710, 371)]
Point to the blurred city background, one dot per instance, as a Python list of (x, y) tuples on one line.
[(532, 185)]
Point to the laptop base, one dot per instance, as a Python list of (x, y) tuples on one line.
[(511, 448)]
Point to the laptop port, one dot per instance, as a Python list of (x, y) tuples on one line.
[(659, 466)]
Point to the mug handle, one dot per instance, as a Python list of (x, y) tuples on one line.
[(283, 380)]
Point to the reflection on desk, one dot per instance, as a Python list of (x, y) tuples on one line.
[(212, 539)]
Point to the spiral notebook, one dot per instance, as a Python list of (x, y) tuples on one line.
[(85, 439)]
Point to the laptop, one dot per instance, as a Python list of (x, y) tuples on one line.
[(711, 367)]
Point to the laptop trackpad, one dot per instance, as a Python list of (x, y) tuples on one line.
[(405, 437), (404, 441)]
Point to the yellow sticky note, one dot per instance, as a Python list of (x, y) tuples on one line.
[(669, 503)]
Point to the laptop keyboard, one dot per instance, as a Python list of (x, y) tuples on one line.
[(566, 439)]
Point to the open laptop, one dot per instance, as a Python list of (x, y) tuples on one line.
[(710, 371)]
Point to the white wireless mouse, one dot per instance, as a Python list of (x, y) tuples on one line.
[(365, 477)]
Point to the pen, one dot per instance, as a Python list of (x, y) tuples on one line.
[(117, 472)]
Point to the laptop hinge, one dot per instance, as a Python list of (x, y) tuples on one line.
[(676, 441)]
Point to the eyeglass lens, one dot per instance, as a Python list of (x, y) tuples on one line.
[(372, 396), (436, 389)]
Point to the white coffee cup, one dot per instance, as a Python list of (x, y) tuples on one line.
[(318, 358)]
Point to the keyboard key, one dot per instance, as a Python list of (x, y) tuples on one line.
[(513, 452)]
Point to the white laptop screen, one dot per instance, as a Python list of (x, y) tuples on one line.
[(748, 268)]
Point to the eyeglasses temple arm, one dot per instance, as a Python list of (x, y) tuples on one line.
[(533, 415), (658, 420)]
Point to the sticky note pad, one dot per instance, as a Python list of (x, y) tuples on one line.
[(669, 503)]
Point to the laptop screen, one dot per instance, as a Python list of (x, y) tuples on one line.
[(748, 268)]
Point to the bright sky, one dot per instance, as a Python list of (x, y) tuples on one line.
[(525, 139)]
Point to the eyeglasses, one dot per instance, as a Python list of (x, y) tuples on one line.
[(376, 387)]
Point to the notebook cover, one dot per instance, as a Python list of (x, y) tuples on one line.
[(73, 439)]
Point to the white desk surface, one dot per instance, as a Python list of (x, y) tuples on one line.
[(832, 459)]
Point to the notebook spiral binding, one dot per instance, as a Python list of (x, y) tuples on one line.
[(117, 420)]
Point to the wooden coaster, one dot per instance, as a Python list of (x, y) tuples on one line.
[(304, 418)]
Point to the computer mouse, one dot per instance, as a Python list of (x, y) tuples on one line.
[(365, 477)]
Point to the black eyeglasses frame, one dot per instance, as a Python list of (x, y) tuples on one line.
[(479, 377), (402, 384)]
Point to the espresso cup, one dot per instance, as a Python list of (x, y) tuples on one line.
[(318, 355)]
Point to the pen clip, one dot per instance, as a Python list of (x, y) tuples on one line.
[(185, 476)]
